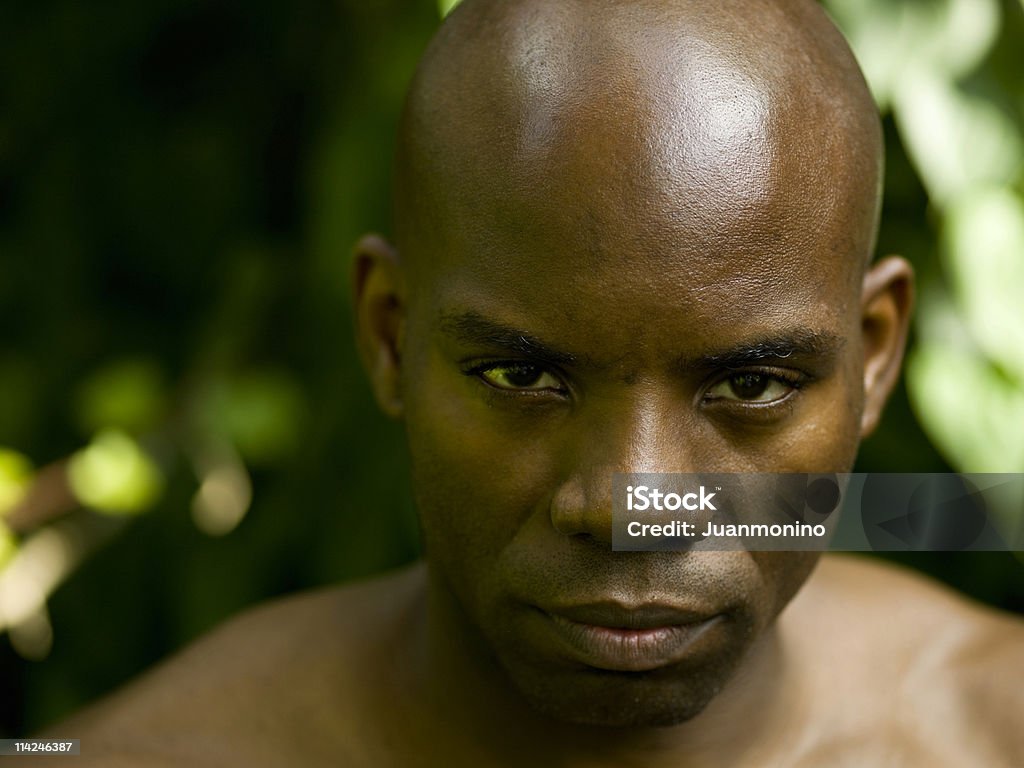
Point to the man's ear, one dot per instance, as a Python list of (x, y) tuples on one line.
[(886, 301), (378, 300)]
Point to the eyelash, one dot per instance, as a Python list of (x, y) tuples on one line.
[(790, 378), (476, 370), (748, 413)]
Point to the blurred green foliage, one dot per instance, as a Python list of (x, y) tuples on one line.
[(113, 474), (180, 186), (15, 476), (949, 74)]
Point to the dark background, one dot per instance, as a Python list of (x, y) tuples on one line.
[(181, 183)]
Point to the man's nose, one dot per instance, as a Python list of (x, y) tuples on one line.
[(649, 438)]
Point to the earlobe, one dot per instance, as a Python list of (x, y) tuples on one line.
[(378, 300), (886, 302)]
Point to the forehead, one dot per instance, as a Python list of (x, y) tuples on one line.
[(673, 168), (617, 245), (680, 157), (614, 306), (617, 251)]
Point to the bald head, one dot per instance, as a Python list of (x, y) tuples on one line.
[(713, 120), (632, 237)]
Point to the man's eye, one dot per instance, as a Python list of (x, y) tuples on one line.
[(519, 376), (751, 388)]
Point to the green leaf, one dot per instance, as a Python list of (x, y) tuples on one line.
[(957, 142), (262, 413), (114, 475), (972, 413), (984, 257), (8, 544), (446, 6), (127, 395), (15, 478)]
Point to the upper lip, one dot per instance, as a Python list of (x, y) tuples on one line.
[(616, 615)]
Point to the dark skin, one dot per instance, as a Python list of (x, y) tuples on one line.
[(629, 237), (578, 326)]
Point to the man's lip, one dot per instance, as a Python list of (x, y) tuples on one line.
[(617, 638), (615, 615)]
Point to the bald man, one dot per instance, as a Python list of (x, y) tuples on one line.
[(629, 236)]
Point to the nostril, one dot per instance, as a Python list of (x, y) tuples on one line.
[(581, 508)]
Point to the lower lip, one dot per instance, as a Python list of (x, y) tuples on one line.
[(618, 649)]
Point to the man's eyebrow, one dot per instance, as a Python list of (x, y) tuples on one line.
[(822, 346), (474, 328)]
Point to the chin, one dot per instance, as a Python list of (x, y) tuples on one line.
[(622, 699)]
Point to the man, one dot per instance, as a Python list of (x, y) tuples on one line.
[(629, 236)]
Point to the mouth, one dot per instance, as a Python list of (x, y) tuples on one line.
[(617, 638)]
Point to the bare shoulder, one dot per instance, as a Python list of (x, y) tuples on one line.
[(908, 605), (917, 658), (282, 679)]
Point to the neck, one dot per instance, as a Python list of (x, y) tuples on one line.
[(462, 687)]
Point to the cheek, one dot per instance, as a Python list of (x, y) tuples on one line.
[(783, 573), (840, 422), (824, 434), (476, 481)]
